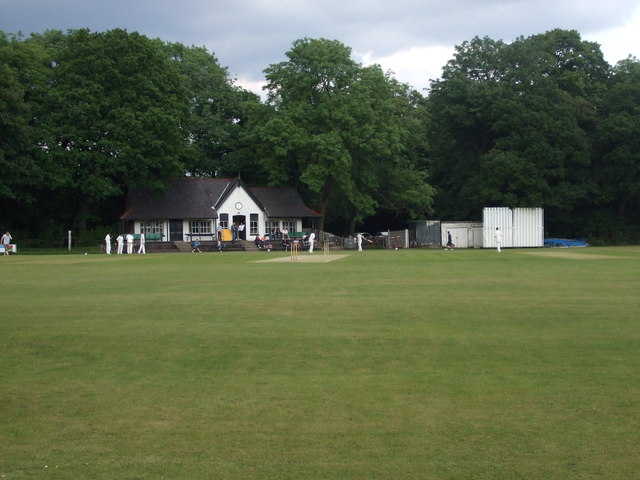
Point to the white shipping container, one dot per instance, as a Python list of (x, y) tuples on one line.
[(497, 217), (528, 227), (521, 227)]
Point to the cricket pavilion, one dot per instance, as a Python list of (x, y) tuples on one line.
[(208, 209)]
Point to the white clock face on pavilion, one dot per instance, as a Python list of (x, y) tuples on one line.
[(238, 206)]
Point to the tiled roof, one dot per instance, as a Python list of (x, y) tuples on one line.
[(283, 202), (191, 198), (186, 198)]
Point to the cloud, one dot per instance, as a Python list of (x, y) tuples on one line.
[(413, 38), (619, 42), (415, 65)]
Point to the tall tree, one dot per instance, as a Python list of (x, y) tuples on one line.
[(217, 114), (115, 116), (336, 131), (23, 84), (617, 159), (511, 124), (22, 79), (461, 129)]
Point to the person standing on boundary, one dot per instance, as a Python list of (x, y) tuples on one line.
[(6, 240), (107, 244), (312, 239), (142, 249), (498, 236), (119, 243), (129, 244)]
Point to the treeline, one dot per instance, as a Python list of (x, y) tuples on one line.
[(541, 122)]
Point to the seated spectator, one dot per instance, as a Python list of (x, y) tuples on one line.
[(266, 243)]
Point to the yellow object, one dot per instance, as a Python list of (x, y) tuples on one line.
[(226, 235)]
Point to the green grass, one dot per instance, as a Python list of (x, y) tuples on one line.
[(415, 364)]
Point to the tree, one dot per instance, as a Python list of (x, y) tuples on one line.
[(21, 79), (336, 131), (217, 114), (115, 116), (617, 159), (14, 131), (511, 124), (460, 130)]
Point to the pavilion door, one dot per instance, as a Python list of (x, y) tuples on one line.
[(242, 231), (175, 231)]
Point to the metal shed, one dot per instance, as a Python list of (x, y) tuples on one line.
[(463, 234), (428, 232)]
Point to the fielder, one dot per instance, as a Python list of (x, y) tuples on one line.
[(498, 237), (107, 244), (119, 243), (129, 244)]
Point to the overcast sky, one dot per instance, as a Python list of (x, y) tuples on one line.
[(412, 38)]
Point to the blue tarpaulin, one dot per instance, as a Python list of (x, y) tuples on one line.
[(564, 242)]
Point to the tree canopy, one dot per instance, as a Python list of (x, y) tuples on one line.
[(513, 123), (338, 133), (618, 139), (90, 115)]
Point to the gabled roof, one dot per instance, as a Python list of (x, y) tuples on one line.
[(283, 202), (191, 198), (186, 198), (232, 185)]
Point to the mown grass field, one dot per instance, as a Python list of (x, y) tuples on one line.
[(410, 364)]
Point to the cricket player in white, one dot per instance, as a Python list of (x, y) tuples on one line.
[(142, 249), (107, 244), (129, 244), (120, 243), (312, 239), (498, 236), (6, 242)]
